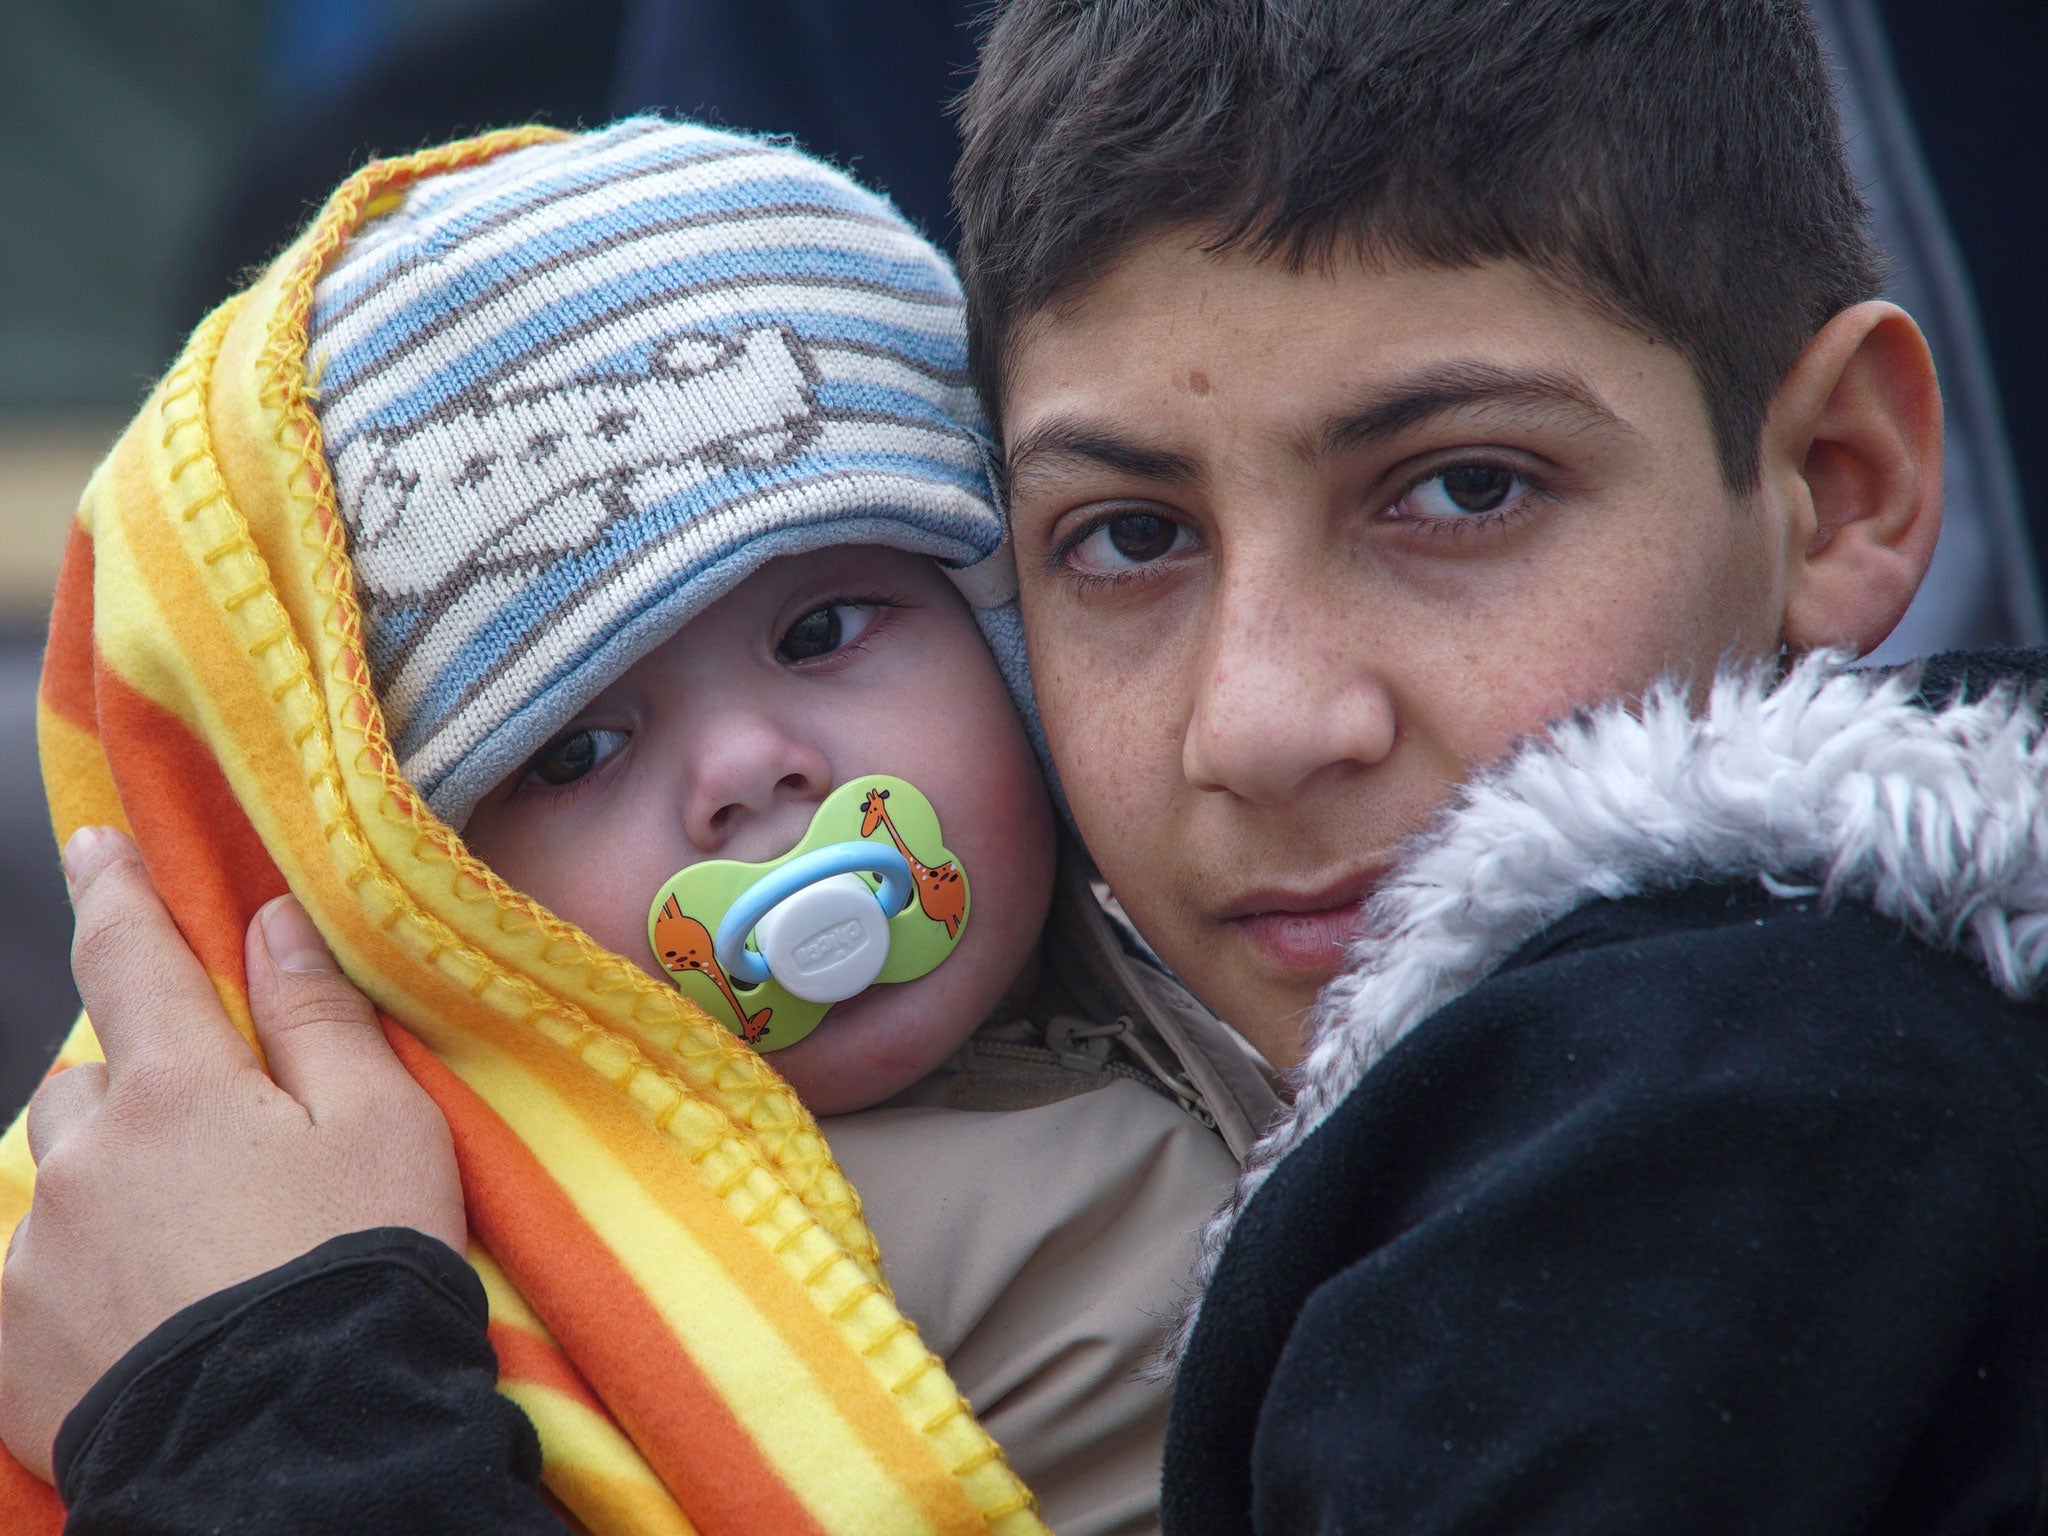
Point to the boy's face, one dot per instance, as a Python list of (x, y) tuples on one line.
[(722, 742), (1299, 551)]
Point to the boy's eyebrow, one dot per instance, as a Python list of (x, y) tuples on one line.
[(1376, 414), (1073, 437), (1386, 409)]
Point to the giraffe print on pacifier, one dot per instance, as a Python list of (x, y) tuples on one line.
[(768, 949)]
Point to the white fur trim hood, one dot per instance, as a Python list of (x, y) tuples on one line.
[(1825, 781)]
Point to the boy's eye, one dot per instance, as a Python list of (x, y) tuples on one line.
[(574, 756), (825, 630), (1129, 539), (1464, 490)]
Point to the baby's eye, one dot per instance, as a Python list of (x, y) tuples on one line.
[(575, 756), (1127, 540), (825, 630), (1464, 490)]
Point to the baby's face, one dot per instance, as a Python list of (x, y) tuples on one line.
[(722, 742)]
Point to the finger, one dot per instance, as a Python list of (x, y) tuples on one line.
[(146, 992), (320, 1034), (65, 1101), (26, 1427)]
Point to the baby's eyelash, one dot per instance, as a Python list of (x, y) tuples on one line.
[(560, 794), (530, 786), (857, 600), (883, 610), (531, 783)]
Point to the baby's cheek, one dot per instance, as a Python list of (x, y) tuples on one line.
[(599, 873), (607, 899), (965, 748), (997, 820)]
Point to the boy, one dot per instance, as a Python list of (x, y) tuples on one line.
[(655, 455), (1380, 383)]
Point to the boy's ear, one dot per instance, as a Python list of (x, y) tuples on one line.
[(1852, 444)]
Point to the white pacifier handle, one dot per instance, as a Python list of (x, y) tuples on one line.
[(822, 933)]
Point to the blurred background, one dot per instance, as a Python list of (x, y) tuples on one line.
[(162, 147)]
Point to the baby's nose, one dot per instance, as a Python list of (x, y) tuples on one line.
[(747, 778)]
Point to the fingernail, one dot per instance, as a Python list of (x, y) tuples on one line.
[(81, 851), (293, 941)]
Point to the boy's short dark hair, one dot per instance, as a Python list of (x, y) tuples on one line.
[(1676, 163)]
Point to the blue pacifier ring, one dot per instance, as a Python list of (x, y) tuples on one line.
[(862, 858)]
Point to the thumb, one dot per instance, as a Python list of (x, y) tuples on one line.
[(319, 1033)]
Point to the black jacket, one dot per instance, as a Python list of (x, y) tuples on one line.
[(1704, 1208), (352, 1390), (1676, 1159)]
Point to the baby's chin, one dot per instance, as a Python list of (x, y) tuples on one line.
[(872, 1047)]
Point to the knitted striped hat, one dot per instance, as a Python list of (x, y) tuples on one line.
[(574, 394)]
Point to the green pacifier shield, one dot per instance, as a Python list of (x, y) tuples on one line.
[(682, 921)]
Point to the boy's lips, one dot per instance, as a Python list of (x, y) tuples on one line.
[(1305, 930)]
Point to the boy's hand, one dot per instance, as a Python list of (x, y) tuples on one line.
[(179, 1168)]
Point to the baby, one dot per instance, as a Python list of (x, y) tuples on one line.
[(669, 518), (721, 742)]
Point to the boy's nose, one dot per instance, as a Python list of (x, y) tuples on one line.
[(752, 784), (1284, 693)]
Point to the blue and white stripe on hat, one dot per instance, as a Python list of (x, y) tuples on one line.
[(573, 395)]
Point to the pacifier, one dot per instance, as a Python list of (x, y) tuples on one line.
[(870, 894)]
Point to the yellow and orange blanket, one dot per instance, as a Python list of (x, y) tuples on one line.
[(684, 1296)]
